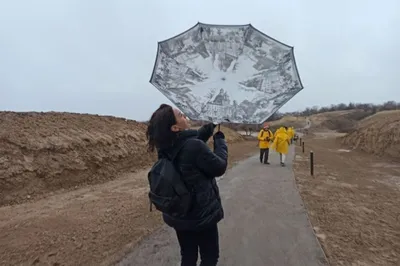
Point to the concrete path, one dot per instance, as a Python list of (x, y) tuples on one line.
[(265, 222)]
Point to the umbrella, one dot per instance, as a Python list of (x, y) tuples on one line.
[(222, 73)]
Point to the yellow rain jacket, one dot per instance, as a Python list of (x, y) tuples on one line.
[(264, 138), (281, 141), (290, 132)]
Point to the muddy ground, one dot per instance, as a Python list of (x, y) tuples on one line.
[(353, 202), (94, 225)]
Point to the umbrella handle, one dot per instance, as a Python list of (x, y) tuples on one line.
[(219, 127)]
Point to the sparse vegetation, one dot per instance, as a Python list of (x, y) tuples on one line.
[(369, 108)]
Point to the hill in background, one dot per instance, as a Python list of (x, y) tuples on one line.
[(378, 134)]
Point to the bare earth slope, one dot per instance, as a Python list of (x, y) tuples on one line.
[(378, 134), (94, 225), (86, 178), (341, 121), (45, 152), (294, 121)]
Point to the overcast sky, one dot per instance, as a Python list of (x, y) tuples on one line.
[(96, 56)]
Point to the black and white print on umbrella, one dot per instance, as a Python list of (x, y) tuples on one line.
[(218, 73)]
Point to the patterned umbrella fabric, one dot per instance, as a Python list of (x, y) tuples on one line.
[(226, 73)]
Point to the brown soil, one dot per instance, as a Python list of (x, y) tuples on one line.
[(339, 120), (353, 202), (94, 224), (44, 152), (41, 153), (342, 121), (294, 121), (378, 134)]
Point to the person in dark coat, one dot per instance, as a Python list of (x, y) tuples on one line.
[(199, 166)]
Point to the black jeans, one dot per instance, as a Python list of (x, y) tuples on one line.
[(206, 240), (264, 153)]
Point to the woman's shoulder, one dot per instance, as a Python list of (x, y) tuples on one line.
[(192, 148), (194, 143)]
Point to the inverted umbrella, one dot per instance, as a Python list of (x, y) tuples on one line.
[(218, 73)]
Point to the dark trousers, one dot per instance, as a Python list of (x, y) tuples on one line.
[(204, 240), (264, 153)]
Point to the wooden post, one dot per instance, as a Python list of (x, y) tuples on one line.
[(312, 163), (302, 146)]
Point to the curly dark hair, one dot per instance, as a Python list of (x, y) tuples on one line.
[(159, 133)]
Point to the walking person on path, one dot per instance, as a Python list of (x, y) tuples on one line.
[(281, 144), (196, 227), (291, 133), (265, 136)]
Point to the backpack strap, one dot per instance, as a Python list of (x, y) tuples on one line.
[(179, 189)]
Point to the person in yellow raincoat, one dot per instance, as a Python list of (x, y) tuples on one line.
[(281, 143), (290, 132), (265, 136)]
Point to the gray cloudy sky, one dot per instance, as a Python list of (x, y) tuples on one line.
[(96, 56)]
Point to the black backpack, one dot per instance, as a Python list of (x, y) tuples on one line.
[(168, 193), (269, 134)]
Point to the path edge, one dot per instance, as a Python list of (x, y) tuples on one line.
[(306, 211)]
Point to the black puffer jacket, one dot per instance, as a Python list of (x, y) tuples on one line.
[(199, 167)]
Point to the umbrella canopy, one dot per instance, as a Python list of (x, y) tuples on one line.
[(226, 73)]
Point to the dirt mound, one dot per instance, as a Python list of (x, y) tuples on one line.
[(93, 225), (378, 134), (292, 121), (340, 124), (231, 135), (44, 152), (341, 121)]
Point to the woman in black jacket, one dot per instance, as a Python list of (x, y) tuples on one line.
[(167, 129)]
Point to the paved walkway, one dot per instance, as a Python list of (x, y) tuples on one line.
[(265, 222)]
